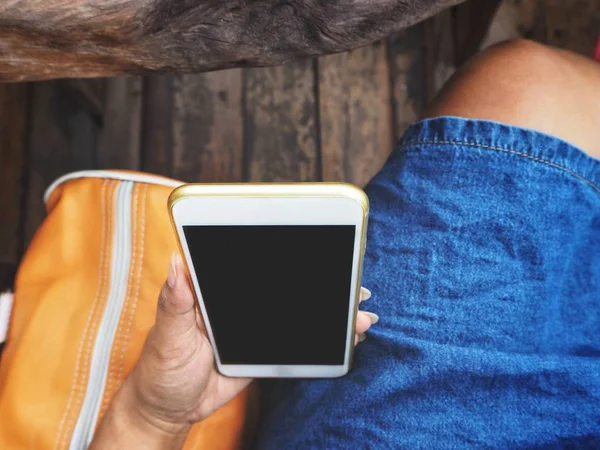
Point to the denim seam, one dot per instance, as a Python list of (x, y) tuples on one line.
[(506, 150)]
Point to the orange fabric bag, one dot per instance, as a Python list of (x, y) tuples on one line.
[(85, 298)]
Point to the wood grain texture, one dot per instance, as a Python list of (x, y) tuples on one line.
[(280, 125), (62, 139), (355, 111), (573, 25), (406, 53), (471, 21), (41, 39), (157, 130), (192, 126), (13, 113), (119, 146), (89, 93), (439, 62), (517, 19), (207, 127)]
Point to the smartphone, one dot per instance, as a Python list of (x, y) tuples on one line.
[(276, 270)]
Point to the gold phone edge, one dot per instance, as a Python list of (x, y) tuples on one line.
[(363, 247), (291, 190)]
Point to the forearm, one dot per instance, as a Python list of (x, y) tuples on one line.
[(125, 426), (60, 38)]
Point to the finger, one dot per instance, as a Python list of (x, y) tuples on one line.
[(358, 338), (364, 320), (176, 312), (365, 294)]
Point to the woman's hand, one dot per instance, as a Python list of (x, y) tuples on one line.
[(175, 382)]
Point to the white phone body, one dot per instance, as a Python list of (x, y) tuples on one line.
[(274, 205)]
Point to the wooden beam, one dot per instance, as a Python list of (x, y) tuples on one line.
[(41, 39)]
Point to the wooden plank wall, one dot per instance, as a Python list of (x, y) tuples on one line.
[(333, 119), (572, 25), (355, 113), (280, 130), (13, 112)]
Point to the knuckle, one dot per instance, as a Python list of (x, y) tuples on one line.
[(166, 299)]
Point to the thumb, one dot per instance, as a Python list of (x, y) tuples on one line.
[(176, 313)]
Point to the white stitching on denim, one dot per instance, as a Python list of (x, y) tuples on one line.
[(507, 150)]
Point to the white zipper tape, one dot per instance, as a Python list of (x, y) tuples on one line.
[(119, 270), (120, 261), (6, 304)]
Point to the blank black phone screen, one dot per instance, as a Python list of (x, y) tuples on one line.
[(275, 295)]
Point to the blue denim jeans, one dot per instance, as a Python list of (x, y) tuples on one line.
[(484, 261)]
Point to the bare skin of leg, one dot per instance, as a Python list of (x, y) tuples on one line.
[(529, 85)]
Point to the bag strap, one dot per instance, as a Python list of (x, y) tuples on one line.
[(6, 304)]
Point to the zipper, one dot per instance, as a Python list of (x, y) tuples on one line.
[(120, 259), (6, 304), (112, 175)]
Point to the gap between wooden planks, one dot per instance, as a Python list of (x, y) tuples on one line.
[(331, 119)]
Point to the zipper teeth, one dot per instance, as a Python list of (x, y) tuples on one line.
[(120, 259)]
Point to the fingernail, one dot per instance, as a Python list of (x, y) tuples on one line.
[(374, 318), (362, 337), (365, 294), (172, 277)]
